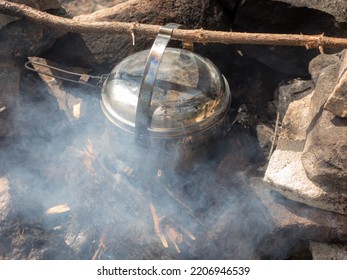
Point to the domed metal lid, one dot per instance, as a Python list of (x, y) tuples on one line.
[(189, 94)]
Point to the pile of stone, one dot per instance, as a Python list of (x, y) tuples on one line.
[(309, 164)]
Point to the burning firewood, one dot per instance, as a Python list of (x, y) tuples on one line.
[(175, 197), (102, 246), (89, 157), (99, 251), (76, 110), (157, 227), (175, 237), (186, 232)]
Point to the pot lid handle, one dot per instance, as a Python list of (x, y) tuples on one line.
[(143, 117)]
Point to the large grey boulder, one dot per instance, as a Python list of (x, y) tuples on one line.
[(309, 163), (337, 101), (324, 156), (287, 175), (286, 172)]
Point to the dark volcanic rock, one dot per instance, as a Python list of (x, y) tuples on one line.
[(27, 38), (9, 80), (107, 50), (337, 8), (42, 5), (229, 4), (275, 17)]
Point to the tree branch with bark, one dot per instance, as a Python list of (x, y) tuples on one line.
[(79, 25)]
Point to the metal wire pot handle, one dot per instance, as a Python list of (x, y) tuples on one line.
[(143, 116), (74, 77)]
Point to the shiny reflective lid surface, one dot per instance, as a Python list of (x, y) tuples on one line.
[(189, 95)]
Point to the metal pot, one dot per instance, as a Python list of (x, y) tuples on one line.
[(167, 102)]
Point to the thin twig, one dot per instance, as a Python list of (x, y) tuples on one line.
[(174, 237), (151, 31), (157, 227), (177, 199), (187, 232)]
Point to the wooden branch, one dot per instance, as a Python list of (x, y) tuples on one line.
[(151, 31)]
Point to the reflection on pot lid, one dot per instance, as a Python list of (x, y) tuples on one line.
[(189, 95)]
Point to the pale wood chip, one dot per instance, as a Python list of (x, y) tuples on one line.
[(58, 209)]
